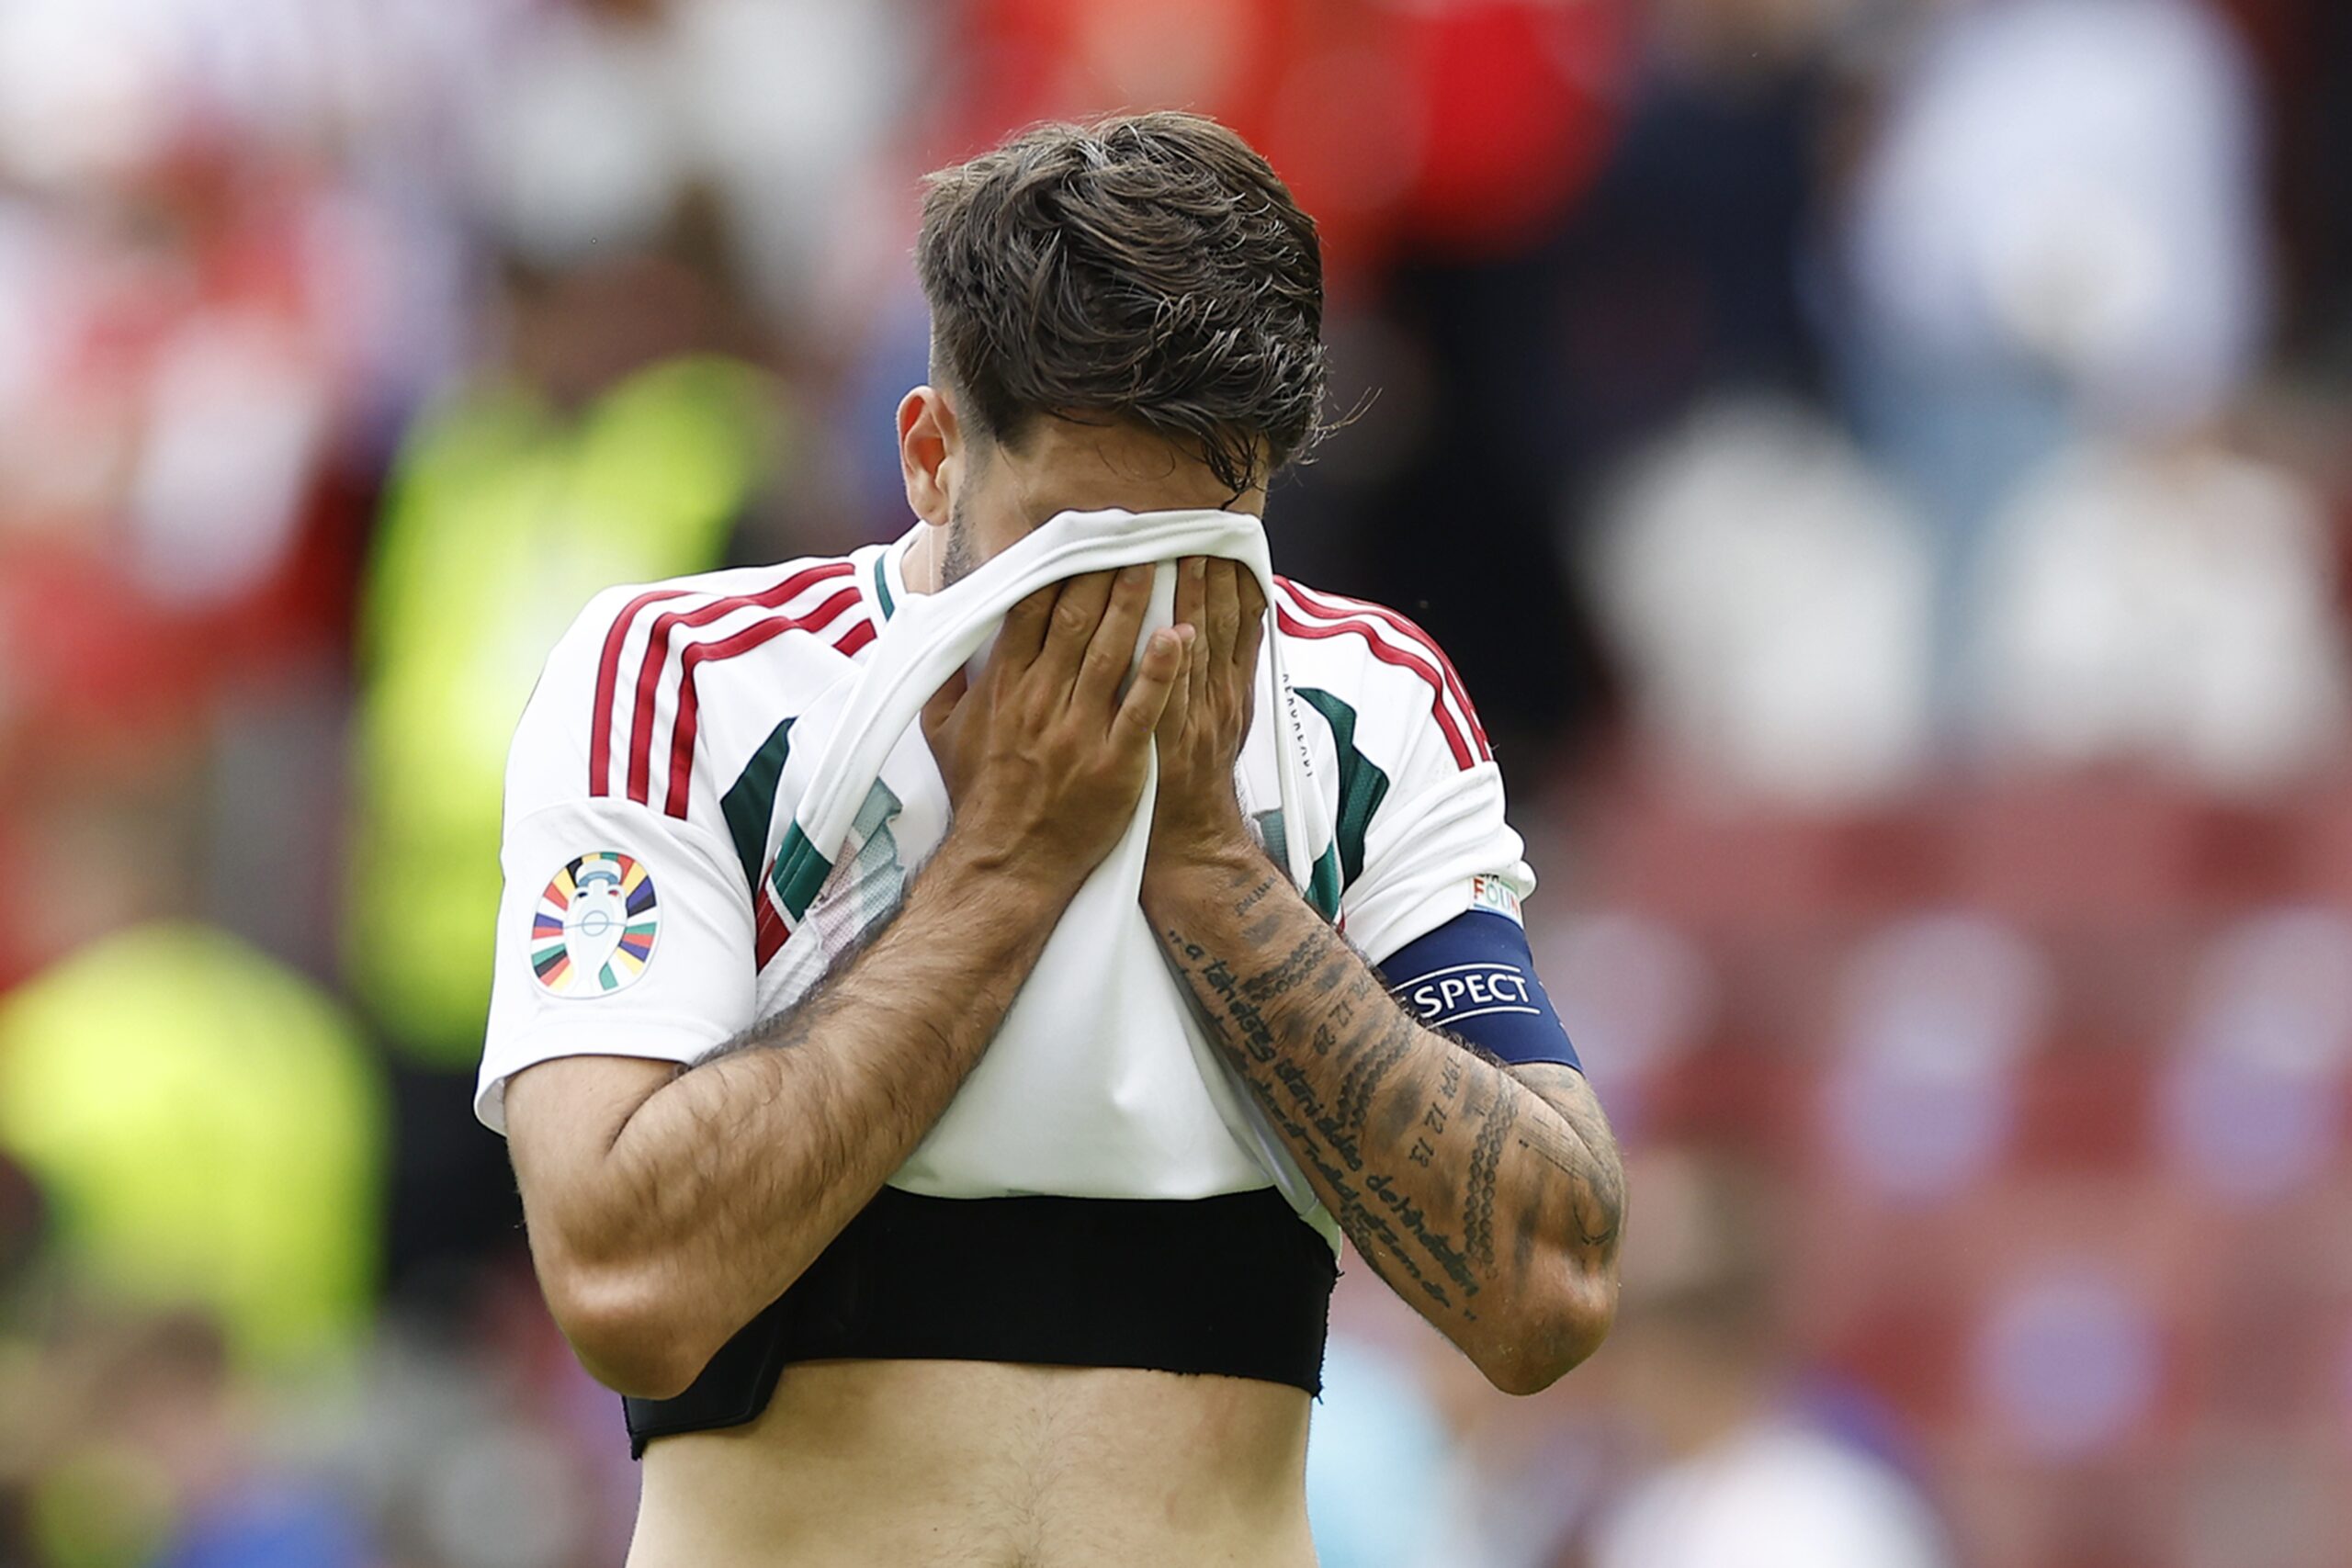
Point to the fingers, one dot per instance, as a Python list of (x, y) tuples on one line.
[(1113, 647), (1025, 623), (1190, 578), (1192, 588), (1066, 619), (1221, 603), (1179, 708), (1076, 616), (1157, 680), (1083, 630), (1253, 624)]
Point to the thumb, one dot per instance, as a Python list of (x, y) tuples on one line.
[(942, 704)]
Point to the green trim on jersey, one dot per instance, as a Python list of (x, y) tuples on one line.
[(882, 582), (1323, 880), (1324, 887), (800, 872), (1362, 784), (750, 802)]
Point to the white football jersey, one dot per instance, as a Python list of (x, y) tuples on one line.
[(653, 777)]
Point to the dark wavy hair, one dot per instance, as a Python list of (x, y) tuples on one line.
[(1149, 268)]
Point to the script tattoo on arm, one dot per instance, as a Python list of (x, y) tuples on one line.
[(1489, 1197)]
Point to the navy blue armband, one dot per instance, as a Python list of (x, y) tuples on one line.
[(1475, 978)]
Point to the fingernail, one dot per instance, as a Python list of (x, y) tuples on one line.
[(1200, 567), (1134, 574)]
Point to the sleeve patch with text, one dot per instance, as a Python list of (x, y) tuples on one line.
[(1474, 976)]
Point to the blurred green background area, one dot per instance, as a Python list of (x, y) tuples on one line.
[(1883, 469)]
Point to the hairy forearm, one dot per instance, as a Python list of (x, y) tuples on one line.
[(1492, 1208), (726, 1181)]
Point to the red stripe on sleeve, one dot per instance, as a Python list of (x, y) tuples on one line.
[(757, 635), (656, 658), (1334, 606), (1388, 654), (608, 669)]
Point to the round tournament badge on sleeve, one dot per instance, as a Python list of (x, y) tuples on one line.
[(594, 929)]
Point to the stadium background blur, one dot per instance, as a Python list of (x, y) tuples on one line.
[(1883, 466)]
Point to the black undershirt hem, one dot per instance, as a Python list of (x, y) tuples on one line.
[(1236, 1285)]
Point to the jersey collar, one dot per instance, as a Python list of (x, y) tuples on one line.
[(885, 577)]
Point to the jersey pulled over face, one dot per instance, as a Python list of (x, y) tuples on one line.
[(654, 776)]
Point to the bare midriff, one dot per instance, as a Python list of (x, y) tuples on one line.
[(974, 1465)]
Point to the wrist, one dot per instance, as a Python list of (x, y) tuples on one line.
[(1016, 884), (1202, 865)]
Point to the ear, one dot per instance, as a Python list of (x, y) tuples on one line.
[(931, 451)]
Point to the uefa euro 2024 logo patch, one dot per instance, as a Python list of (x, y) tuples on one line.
[(594, 931)]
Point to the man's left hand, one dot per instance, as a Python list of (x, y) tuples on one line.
[(1197, 817)]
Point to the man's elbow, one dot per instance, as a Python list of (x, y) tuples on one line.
[(628, 1334), (1553, 1339)]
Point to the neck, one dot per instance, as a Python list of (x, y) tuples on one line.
[(919, 565)]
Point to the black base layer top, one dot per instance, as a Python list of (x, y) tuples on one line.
[(1237, 1285)]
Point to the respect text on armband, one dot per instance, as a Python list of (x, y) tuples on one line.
[(1468, 990)]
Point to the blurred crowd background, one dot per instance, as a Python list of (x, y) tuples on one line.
[(1884, 467)]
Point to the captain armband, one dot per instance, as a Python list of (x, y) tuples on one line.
[(1475, 978)]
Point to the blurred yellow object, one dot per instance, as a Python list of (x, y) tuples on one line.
[(207, 1127), (101, 1508), (505, 518)]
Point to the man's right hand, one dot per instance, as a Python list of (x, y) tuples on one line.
[(1043, 757)]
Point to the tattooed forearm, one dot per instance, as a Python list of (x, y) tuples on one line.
[(1256, 895), (1308, 958), (1428, 1152), (1485, 1166), (1596, 1186)]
